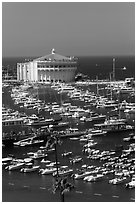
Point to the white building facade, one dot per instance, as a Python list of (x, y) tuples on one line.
[(50, 68)]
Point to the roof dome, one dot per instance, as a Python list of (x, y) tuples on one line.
[(53, 57)]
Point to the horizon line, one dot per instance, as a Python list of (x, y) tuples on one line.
[(121, 55)]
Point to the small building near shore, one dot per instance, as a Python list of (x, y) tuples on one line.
[(49, 68)]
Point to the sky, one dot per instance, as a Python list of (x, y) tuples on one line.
[(72, 28)]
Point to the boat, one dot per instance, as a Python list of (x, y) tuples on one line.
[(12, 121), (86, 178), (82, 175), (76, 160), (129, 139), (47, 150), (45, 161), (66, 154), (28, 142), (28, 160), (52, 164), (33, 117), (119, 180), (59, 125), (113, 126), (7, 159), (47, 171), (71, 132), (125, 90), (95, 132), (98, 177), (30, 168), (38, 155), (40, 122), (131, 184), (90, 144), (130, 111), (15, 166), (110, 104), (95, 117), (84, 138), (74, 138), (63, 172)]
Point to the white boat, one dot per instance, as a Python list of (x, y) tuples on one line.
[(113, 126), (7, 159), (83, 138), (28, 160), (126, 90), (131, 184), (66, 154), (98, 177), (40, 122), (90, 144), (82, 175), (47, 171), (59, 125), (71, 132), (15, 166), (95, 117), (74, 138), (63, 172), (50, 150), (76, 160), (128, 139), (28, 142), (52, 164), (33, 117), (130, 111), (45, 161), (30, 169), (94, 132), (86, 178), (116, 181), (38, 155), (13, 121)]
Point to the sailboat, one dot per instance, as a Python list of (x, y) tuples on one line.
[(111, 103), (105, 102)]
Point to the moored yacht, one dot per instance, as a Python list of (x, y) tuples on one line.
[(63, 172), (113, 126), (47, 171), (29, 168), (82, 175), (15, 166), (95, 132)]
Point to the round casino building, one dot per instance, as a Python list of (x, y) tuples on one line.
[(49, 68)]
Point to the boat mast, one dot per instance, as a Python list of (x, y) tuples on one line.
[(38, 99), (97, 85), (119, 113), (113, 69), (111, 88)]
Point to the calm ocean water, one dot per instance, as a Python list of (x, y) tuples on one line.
[(20, 187)]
